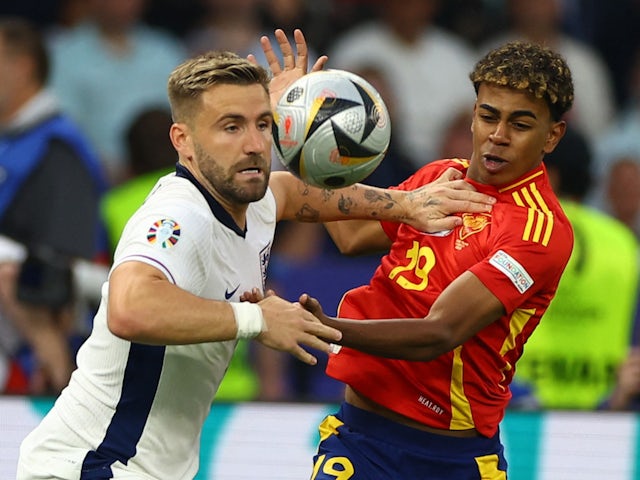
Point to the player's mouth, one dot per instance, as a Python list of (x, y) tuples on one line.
[(251, 171), (493, 163)]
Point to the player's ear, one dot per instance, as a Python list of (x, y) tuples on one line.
[(180, 136), (556, 132)]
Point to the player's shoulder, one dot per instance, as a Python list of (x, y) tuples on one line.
[(172, 189), (432, 170), (176, 199), (543, 227)]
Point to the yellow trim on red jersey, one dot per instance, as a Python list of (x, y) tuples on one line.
[(461, 418), (539, 216)]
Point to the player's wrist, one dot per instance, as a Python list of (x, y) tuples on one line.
[(249, 319)]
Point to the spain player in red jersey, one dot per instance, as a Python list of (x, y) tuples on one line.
[(431, 343)]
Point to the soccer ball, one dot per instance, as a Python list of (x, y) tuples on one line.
[(331, 129)]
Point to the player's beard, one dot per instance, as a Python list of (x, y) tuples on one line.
[(224, 183)]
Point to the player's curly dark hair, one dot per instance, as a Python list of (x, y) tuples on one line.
[(530, 67)]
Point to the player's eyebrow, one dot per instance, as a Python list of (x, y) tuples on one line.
[(514, 114), (241, 117)]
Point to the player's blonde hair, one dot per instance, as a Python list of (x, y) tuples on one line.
[(190, 79), (530, 67)]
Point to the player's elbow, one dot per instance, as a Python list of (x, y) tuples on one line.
[(124, 322), (348, 248)]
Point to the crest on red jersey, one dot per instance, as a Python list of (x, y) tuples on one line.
[(472, 223)]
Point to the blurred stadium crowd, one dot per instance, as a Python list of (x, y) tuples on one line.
[(107, 67)]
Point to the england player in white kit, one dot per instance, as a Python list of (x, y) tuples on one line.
[(171, 313), (144, 405)]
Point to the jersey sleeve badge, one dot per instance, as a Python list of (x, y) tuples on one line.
[(164, 233), (513, 270)]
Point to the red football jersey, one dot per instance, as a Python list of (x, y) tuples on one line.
[(518, 251)]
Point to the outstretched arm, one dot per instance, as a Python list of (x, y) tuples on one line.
[(144, 307), (427, 208), (462, 310), (446, 196)]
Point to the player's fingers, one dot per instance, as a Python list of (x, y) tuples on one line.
[(301, 49), (288, 59), (270, 55), (304, 356), (474, 202), (311, 304), (448, 175), (459, 191), (446, 223), (316, 343), (254, 296), (318, 329), (320, 63)]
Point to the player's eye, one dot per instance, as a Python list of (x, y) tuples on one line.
[(521, 126), (487, 117)]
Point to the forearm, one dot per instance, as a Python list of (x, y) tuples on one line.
[(462, 310), (302, 202), (406, 339)]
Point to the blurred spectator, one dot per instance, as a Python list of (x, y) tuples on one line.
[(541, 21), (287, 15), (473, 20), (417, 57), (48, 207), (40, 14), (626, 395), (175, 16), (109, 67), (571, 360), (232, 25), (457, 141), (622, 194), (612, 27), (69, 14), (618, 159)]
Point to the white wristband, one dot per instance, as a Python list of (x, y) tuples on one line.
[(249, 319)]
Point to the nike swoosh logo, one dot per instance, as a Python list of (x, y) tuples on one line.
[(228, 294)]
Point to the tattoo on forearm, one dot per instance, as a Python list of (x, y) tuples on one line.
[(373, 197), (345, 204), (307, 214)]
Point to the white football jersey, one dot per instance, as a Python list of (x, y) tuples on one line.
[(133, 410)]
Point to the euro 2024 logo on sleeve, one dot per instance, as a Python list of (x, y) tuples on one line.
[(164, 233)]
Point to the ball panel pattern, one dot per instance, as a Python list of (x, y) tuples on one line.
[(331, 129)]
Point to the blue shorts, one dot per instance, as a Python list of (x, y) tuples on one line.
[(359, 445)]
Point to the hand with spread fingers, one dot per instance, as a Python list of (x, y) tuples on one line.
[(294, 64)]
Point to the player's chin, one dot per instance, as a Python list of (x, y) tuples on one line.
[(253, 189)]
